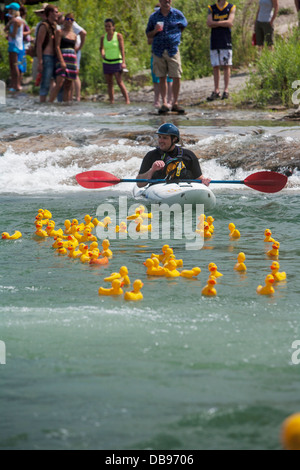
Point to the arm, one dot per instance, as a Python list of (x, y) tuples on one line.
[(57, 40), (122, 49), (16, 25), (157, 165), (101, 48), (275, 12), (82, 35), (223, 24), (39, 43)]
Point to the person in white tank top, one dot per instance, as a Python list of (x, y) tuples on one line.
[(14, 28), (264, 24)]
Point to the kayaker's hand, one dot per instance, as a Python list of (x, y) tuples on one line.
[(158, 165), (205, 181)]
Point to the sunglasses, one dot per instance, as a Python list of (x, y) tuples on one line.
[(69, 19)]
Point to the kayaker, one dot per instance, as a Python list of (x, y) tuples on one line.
[(170, 161)]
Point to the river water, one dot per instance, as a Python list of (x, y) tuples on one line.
[(177, 370)]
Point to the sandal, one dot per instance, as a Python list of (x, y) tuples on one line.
[(164, 109), (225, 95), (214, 96), (177, 109)]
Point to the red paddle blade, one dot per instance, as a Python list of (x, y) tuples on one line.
[(266, 181), (96, 179)]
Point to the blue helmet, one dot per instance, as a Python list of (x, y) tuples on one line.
[(168, 129)]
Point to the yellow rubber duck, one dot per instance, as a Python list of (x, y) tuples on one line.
[(170, 270), (73, 239), (72, 252), (85, 257), (88, 221), (290, 432), (162, 255), (15, 236), (96, 259), (153, 268), (179, 262), (213, 269), (209, 290), (142, 212), (102, 223), (59, 242), (87, 236), (93, 246), (268, 236), (121, 228), (122, 275), (40, 218), (140, 227), (202, 219), (240, 265), (39, 230), (50, 229), (106, 250), (115, 289), (268, 288), (275, 272), (233, 232), (45, 213), (61, 249), (67, 224), (210, 221), (190, 273), (135, 294), (207, 233), (274, 252)]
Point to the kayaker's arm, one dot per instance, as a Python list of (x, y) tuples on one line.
[(157, 165), (204, 180)]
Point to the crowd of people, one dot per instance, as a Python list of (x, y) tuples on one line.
[(58, 40)]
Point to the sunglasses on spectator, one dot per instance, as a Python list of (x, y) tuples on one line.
[(69, 19)]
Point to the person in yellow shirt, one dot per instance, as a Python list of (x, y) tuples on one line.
[(113, 54)]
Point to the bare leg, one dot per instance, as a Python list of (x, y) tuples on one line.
[(110, 86), (217, 79), (122, 87), (156, 94), (14, 69), (176, 89), (163, 90), (170, 93), (68, 88), (227, 73), (55, 90), (77, 85)]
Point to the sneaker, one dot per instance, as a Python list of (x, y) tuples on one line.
[(214, 96), (225, 95)]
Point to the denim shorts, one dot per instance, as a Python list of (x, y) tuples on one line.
[(48, 73)]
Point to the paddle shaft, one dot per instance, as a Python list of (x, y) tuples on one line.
[(129, 180)]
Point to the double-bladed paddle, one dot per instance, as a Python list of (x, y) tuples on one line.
[(264, 181)]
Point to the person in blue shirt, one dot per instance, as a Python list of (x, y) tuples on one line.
[(220, 20), (164, 28)]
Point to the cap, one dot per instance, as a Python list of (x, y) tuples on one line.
[(37, 12), (13, 6), (168, 129)]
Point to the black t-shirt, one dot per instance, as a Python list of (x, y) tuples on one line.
[(189, 158)]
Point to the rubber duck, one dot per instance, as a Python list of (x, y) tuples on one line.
[(58, 241), (240, 265), (275, 272), (153, 268), (171, 270), (88, 221), (167, 256), (140, 227), (106, 251), (72, 252), (122, 275), (207, 233), (40, 218), (274, 252), (135, 294), (15, 236), (72, 238), (87, 236), (145, 215), (95, 259), (190, 273), (85, 257), (268, 236), (290, 432), (179, 262), (202, 219), (50, 229), (45, 213), (39, 230), (268, 288), (233, 232), (102, 223), (209, 290), (213, 269), (115, 289), (162, 255), (121, 228), (67, 224), (210, 221), (61, 249)]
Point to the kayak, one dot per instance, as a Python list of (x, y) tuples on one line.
[(177, 193)]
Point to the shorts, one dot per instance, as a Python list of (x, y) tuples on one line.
[(264, 33), (111, 69), (155, 79), (166, 65), (221, 57), (13, 48), (48, 73)]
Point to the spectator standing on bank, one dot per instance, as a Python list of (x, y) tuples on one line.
[(113, 54), (14, 28), (220, 20), (45, 50), (264, 24), (165, 28)]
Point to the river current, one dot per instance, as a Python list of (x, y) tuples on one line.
[(176, 370)]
